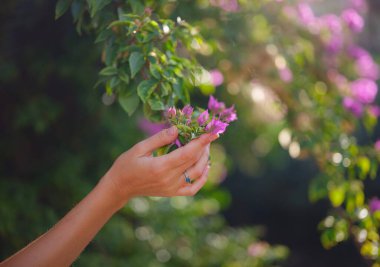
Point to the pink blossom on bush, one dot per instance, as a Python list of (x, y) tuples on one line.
[(364, 90), (367, 68), (374, 110), (151, 128), (353, 20), (374, 204), (226, 5), (286, 74), (353, 106), (377, 145), (216, 77), (332, 22), (305, 13), (360, 5), (334, 44)]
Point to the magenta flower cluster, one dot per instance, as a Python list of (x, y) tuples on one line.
[(336, 33), (192, 123)]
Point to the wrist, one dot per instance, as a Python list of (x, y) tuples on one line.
[(112, 193)]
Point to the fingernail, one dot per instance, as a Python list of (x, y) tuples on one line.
[(213, 137), (172, 130)]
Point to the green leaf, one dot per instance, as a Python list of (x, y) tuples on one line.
[(136, 61), (337, 195), (129, 103), (181, 92), (123, 76), (364, 165), (318, 188), (97, 5), (108, 71), (61, 8), (156, 104), (146, 88), (155, 70), (137, 7), (165, 89)]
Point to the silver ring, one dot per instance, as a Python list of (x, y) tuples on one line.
[(187, 178)]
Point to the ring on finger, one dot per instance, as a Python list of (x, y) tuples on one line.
[(187, 178)]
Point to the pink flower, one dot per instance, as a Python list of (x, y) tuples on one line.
[(357, 52), (286, 74), (374, 110), (177, 143), (377, 145), (187, 111), (216, 77), (360, 5), (228, 115), (203, 118), (364, 90), (226, 5), (305, 13), (332, 22), (353, 20), (374, 204), (215, 106), (216, 126), (367, 68), (353, 106), (335, 43), (150, 128), (171, 112)]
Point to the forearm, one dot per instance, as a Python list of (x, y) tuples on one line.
[(62, 244)]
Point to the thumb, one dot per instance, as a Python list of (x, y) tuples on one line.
[(165, 137)]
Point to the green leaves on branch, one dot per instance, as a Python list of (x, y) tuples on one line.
[(136, 61), (61, 7)]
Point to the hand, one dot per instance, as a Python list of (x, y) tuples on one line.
[(137, 173)]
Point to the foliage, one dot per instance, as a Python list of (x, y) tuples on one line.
[(312, 59)]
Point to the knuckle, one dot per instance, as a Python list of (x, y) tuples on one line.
[(138, 147), (186, 156), (197, 172)]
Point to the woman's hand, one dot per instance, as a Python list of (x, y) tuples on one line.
[(137, 173)]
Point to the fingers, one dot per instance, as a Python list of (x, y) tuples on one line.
[(189, 153), (158, 140), (191, 190), (196, 171)]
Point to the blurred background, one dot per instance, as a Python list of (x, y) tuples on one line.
[(59, 135)]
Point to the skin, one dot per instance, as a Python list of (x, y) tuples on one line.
[(134, 173)]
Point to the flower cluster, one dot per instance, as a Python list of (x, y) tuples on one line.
[(192, 123), (336, 33)]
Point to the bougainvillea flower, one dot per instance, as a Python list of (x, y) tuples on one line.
[(216, 77), (366, 67), (305, 13), (353, 106), (374, 204), (353, 20), (151, 128), (188, 111), (171, 112), (216, 126), (215, 106), (203, 118), (377, 145), (228, 115), (364, 90)]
